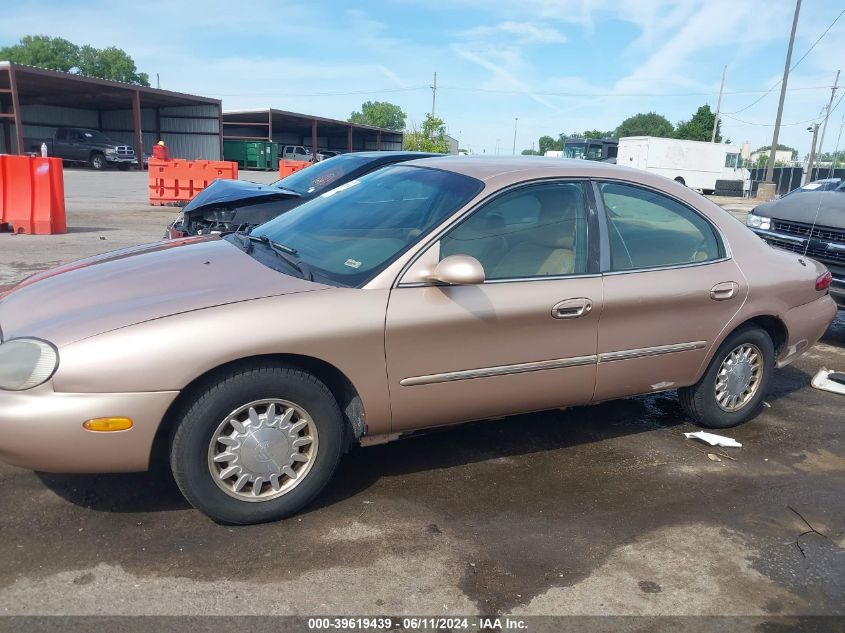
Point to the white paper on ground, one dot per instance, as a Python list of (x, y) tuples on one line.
[(713, 439)]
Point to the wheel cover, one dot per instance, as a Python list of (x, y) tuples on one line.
[(739, 377), (262, 450)]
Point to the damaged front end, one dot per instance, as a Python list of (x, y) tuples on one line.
[(228, 205)]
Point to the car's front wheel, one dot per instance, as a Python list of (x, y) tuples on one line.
[(257, 445), (732, 388), (97, 161)]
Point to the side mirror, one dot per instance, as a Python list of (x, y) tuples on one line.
[(458, 270)]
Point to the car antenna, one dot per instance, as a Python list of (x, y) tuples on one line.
[(821, 197)]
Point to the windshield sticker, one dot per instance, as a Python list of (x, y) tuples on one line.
[(343, 187), (352, 263)]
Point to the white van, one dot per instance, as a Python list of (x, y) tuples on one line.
[(696, 164)]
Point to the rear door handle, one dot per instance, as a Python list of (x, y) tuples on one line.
[(724, 291), (572, 308)]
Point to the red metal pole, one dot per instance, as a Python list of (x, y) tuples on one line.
[(136, 118), (16, 110)]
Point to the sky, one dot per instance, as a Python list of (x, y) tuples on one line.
[(537, 66)]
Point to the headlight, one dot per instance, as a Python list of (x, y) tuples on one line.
[(758, 221), (26, 363)]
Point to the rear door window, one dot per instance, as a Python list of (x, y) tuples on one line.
[(650, 230)]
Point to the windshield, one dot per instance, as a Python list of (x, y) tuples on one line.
[(318, 176), (349, 234), (574, 150), (95, 137)]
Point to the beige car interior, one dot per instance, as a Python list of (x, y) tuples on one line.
[(527, 234)]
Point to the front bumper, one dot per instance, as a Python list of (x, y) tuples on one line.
[(112, 158), (41, 429)]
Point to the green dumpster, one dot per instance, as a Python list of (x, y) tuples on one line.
[(252, 154)]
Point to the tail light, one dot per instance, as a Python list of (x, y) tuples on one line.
[(823, 282)]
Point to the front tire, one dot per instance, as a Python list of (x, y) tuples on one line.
[(257, 445), (735, 383), (97, 161)]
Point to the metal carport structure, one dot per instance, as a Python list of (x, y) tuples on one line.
[(293, 128), (34, 102)]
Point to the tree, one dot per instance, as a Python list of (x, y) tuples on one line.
[(547, 143), (645, 124), (431, 137), (52, 53), (110, 63), (530, 152), (55, 53), (699, 127), (380, 114), (595, 134)]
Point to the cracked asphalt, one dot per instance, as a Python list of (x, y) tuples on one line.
[(594, 510)]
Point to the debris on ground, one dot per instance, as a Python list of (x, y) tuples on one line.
[(713, 439), (828, 380)]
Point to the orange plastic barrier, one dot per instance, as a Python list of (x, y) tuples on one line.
[(179, 180), (32, 195), (287, 167)]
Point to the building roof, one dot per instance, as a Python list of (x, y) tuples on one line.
[(52, 87), (287, 119)]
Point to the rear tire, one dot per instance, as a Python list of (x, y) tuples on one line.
[(276, 468), (710, 402)]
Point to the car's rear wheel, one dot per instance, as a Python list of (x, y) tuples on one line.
[(732, 388), (257, 445)]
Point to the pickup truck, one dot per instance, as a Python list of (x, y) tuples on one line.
[(82, 145)]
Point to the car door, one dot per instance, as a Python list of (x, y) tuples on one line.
[(523, 340), (670, 288)]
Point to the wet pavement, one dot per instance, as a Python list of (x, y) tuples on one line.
[(594, 510), (602, 509)]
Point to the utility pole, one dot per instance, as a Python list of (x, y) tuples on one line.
[(815, 129), (827, 111), (770, 171), (718, 105), (433, 93), (158, 82), (515, 121)]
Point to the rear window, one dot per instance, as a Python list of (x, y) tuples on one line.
[(318, 176)]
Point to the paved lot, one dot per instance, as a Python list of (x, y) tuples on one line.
[(594, 510)]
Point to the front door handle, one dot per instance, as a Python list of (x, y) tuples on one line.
[(724, 291), (572, 308)]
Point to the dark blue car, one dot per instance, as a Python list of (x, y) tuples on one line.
[(240, 205)]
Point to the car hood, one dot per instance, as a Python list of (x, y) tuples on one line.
[(226, 192), (830, 206), (138, 284)]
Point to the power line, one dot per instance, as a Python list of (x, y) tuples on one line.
[(620, 94), (768, 124), (793, 67), (319, 94)]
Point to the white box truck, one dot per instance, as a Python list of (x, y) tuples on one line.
[(696, 164)]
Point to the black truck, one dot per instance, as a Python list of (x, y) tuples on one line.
[(83, 145), (810, 223)]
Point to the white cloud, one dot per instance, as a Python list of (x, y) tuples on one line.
[(511, 32)]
